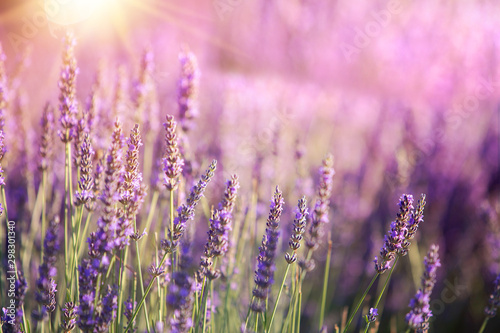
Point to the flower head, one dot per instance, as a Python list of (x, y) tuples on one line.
[(264, 274), (420, 313)]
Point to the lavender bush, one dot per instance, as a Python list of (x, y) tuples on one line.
[(292, 187)]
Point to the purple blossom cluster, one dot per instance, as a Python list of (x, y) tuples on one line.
[(320, 212), (67, 85), (218, 234), (187, 94), (85, 195), (264, 274), (402, 230), (180, 294), (299, 227), (46, 284), (12, 317), (420, 313), (104, 239), (494, 300), (185, 212), (47, 138), (172, 160)]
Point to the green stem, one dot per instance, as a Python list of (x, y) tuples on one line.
[(383, 289), (325, 283), (351, 317), (483, 326), (144, 296), (44, 207), (278, 298)]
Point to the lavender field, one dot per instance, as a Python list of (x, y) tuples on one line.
[(249, 166)]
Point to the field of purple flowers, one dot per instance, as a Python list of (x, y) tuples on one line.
[(232, 166)]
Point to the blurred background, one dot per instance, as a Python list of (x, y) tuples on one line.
[(404, 94)]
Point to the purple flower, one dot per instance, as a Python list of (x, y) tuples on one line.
[(69, 317), (67, 86), (218, 234), (320, 212), (187, 94), (3, 89), (418, 317), (87, 285), (13, 317), (299, 227), (394, 240), (46, 286), (180, 294), (129, 309), (185, 212), (372, 315), (47, 139), (130, 179), (85, 195), (104, 239), (172, 161), (107, 311), (494, 300), (264, 275)]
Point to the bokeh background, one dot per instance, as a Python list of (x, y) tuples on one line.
[(404, 94)]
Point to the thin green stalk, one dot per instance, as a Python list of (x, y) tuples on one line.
[(124, 255), (66, 189), (248, 314), (82, 236), (278, 298), (383, 289), (44, 206), (142, 285), (351, 317), (152, 209), (325, 283), (144, 296), (300, 312), (204, 302), (483, 326), (408, 330)]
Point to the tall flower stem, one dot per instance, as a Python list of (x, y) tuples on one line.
[(129, 326), (383, 290), (351, 317), (66, 208), (483, 326), (278, 298), (124, 257), (44, 206), (325, 283), (143, 294)]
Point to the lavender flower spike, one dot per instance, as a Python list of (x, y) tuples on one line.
[(299, 227), (218, 235), (85, 195), (320, 212), (172, 161), (46, 284), (87, 283), (494, 301), (47, 139), (180, 294), (186, 211), (264, 275), (67, 86), (3, 89), (393, 244), (187, 94), (418, 317), (69, 317)]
